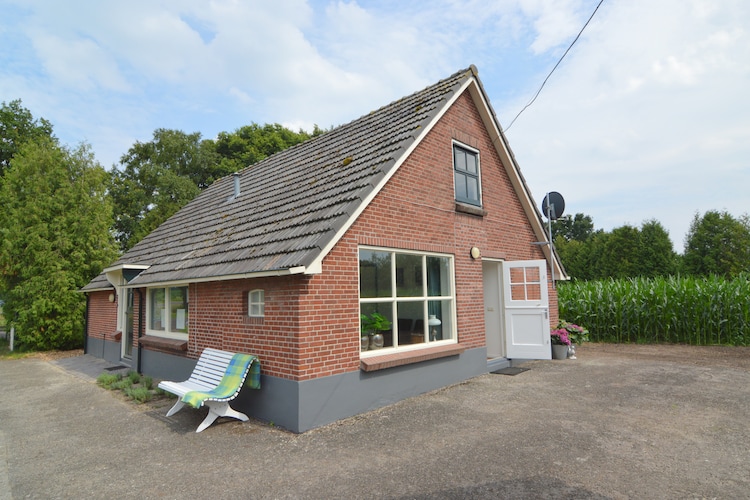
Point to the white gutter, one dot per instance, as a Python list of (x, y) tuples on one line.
[(260, 274)]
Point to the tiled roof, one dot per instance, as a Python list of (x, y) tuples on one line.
[(292, 204)]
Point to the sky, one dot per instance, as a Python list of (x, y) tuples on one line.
[(646, 117)]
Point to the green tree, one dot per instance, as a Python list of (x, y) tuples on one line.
[(573, 228), (54, 238), (717, 243), (619, 258), (656, 253), (158, 178), (17, 126), (252, 143)]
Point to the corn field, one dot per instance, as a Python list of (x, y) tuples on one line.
[(685, 310)]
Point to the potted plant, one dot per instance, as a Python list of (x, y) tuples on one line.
[(370, 327), (560, 343), (576, 334)]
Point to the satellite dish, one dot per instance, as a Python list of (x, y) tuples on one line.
[(553, 205)]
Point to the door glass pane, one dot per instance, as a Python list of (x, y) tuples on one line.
[(158, 308), (517, 275), (532, 274), (178, 309), (533, 291), (409, 276), (533, 284), (374, 274), (518, 292)]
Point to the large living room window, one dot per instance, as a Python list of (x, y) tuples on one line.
[(413, 291), (168, 312), (466, 175)]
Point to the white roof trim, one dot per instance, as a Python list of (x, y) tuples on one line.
[(514, 173), (120, 267), (228, 277)]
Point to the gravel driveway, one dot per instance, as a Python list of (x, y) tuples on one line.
[(619, 422)]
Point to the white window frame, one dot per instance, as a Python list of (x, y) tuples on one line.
[(260, 304), (454, 145), (166, 332), (394, 300)]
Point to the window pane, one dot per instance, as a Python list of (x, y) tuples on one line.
[(471, 163), (374, 274), (385, 309), (472, 188), (257, 303), (409, 276), (460, 186), (438, 320), (410, 322), (158, 308), (438, 276), (178, 309), (459, 159)]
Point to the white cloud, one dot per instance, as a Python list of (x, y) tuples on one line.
[(644, 115), (79, 63), (645, 118)]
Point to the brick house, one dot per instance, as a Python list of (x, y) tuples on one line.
[(416, 211)]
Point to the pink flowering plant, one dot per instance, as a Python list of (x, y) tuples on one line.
[(575, 334), (560, 337)]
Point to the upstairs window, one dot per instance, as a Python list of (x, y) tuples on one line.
[(466, 173)]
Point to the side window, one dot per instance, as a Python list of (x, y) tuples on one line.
[(256, 304), (466, 173), (168, 312)]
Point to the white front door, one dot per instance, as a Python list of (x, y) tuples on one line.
[(526, 310)]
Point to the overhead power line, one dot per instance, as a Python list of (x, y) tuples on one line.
[(556, 65)]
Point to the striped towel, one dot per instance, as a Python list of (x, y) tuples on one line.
[(242, 367)]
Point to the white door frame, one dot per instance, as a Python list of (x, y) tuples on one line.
[(494, 321)]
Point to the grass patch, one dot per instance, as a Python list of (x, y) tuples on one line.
[(138, 394), (106, 380), (133, 386), (6, 353)]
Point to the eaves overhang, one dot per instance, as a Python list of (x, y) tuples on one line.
[(298, 270)]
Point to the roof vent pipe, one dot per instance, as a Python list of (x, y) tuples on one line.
[(236, 176)]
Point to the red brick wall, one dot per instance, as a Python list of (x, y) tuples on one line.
[(102, 319), (311, 326), (218, 318), (416, 211)]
